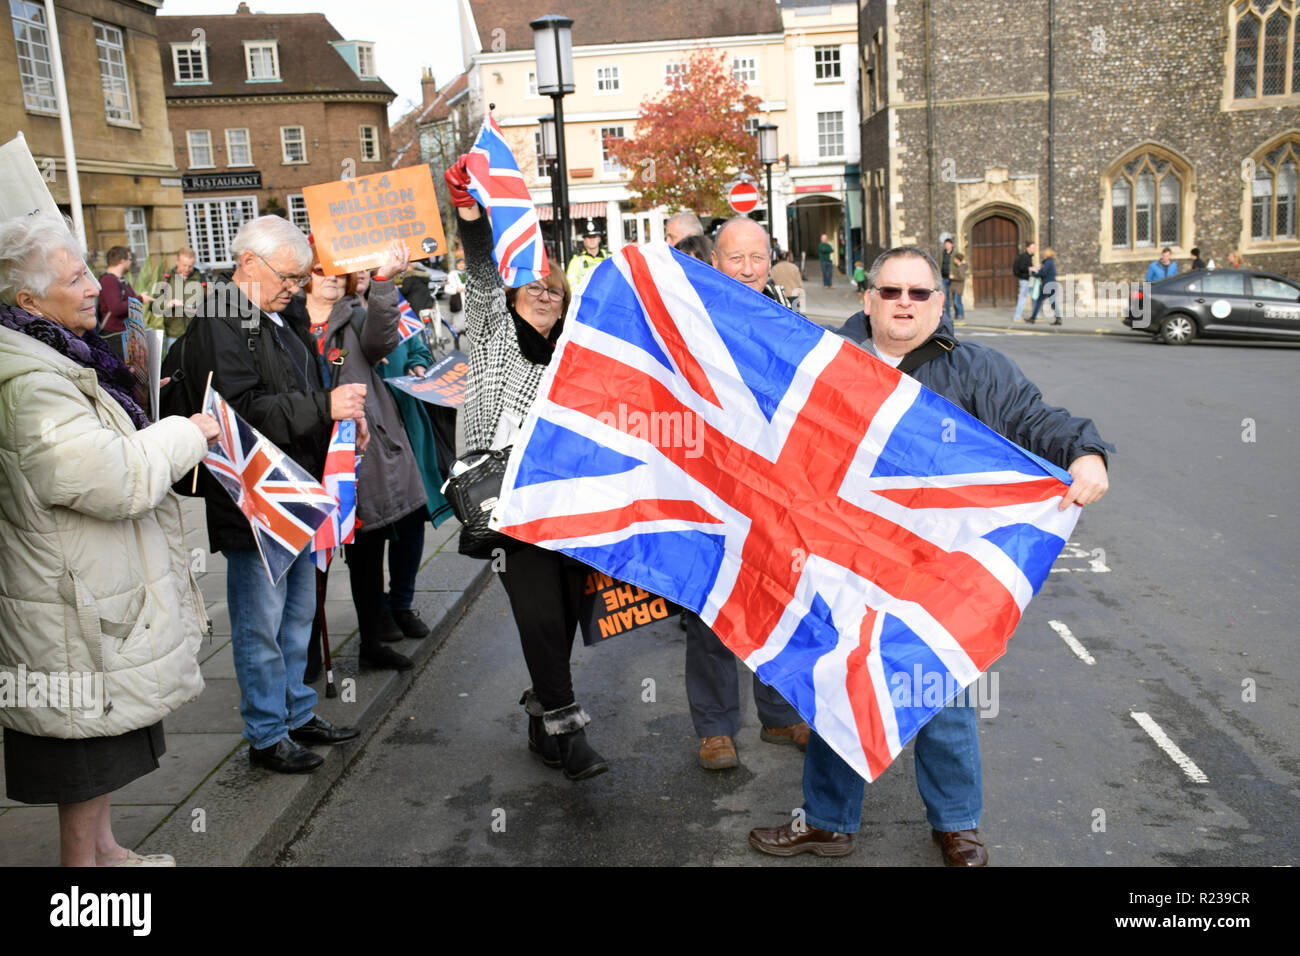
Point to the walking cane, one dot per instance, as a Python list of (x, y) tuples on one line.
[(322, 580)]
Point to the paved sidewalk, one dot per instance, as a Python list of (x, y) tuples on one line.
[(205, 804), (830, 307)]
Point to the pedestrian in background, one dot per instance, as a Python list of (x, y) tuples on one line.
[(1048, 288), (181, 285), (956, 285), (1162, 268), (825, 251), (1197, 261), (789, 280), (115, 291), (860, 277), (945, 270), (1024, 271)]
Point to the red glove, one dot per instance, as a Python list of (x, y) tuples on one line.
[(457, 178)]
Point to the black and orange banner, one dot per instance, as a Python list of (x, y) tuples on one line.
[(611, 607)]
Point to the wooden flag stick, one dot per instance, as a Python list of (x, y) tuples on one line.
[(194, 482)]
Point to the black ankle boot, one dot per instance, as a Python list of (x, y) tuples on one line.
[(539, 741), (565, 725), (579, 758)]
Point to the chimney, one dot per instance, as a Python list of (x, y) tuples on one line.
[(428, 86), (242, 8)]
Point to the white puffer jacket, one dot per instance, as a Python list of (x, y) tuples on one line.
[(94, 576)]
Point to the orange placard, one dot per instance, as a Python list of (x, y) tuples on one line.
[(354, 220)]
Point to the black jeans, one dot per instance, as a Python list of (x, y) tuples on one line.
[(545, 591)]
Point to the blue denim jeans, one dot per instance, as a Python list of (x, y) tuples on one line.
[(269, 629), (1023, 296), (947, 776), (827, 273), (958, 310), (947, 298)]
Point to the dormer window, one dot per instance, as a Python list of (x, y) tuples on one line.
[(262, 60)]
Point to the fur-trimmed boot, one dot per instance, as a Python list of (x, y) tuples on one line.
[(579, 758), (539, 741)]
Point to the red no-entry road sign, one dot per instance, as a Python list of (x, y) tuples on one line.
[(743, 197)]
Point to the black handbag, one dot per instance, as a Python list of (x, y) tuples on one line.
[(472, 495)]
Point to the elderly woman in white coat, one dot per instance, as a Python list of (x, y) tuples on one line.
[(97, 605)]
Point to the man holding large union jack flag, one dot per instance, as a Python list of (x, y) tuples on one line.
[(907, 332)]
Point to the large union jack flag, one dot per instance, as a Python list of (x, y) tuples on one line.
[(340, 482), (843, 529), (497, 184), (283, 503)]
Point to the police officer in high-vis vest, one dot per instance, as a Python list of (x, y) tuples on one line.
[(591, 256)]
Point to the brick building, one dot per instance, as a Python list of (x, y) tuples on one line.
[(1157, 124), (260, 106), (130, 190)]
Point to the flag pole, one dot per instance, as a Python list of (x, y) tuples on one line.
[(194, 482)]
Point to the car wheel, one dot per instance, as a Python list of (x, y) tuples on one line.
[(1177, 330)]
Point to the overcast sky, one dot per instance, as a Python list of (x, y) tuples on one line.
[(407, 35)]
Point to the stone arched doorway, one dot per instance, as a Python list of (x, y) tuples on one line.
[(995, 239)]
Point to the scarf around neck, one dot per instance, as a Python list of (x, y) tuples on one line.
[(88, 351)]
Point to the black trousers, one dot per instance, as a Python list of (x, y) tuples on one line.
[(365, 557), (545, 591)]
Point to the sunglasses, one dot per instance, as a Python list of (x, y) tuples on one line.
[(916, 293)]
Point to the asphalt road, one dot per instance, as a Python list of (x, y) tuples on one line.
[(1180, 587)]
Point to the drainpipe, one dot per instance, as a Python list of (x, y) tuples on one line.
[(929, 120), (1051, 124), (65, 124)]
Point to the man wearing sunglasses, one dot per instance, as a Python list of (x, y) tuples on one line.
[(907, 331)]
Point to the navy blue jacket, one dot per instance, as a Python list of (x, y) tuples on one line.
[(991, 387)]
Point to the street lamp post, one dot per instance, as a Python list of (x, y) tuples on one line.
[(767, 155), (553, 47), (547, 156)]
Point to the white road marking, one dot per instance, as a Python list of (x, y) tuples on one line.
[(1168, 746), (1072, 642)]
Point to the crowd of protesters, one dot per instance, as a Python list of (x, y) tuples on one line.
[(294, 350)]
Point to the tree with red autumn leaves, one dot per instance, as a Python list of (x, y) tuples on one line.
[(690, 140)]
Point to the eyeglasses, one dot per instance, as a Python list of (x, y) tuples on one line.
[(535, 289), (916, 293), (284, 279)]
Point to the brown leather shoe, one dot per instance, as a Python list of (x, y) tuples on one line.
[(961, 848), (796, 734), (784, 841), (718, 753)]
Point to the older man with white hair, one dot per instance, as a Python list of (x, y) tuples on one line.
[(712, 686), (683, 224), (269, 372)]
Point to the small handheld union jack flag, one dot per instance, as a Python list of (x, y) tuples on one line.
[(497, 184), (408, 323), (340, 481), (283, 503)]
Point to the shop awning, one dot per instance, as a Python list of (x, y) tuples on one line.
[(577, 210)]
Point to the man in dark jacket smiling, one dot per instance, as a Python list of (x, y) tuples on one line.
[(907, 332), (266, 369)]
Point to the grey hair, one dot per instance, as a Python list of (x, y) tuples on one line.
[(26, 244), (898, 252), (717, 239), (269, 235), (690, 221)]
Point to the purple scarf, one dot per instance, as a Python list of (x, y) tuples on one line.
[(88, 351)]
